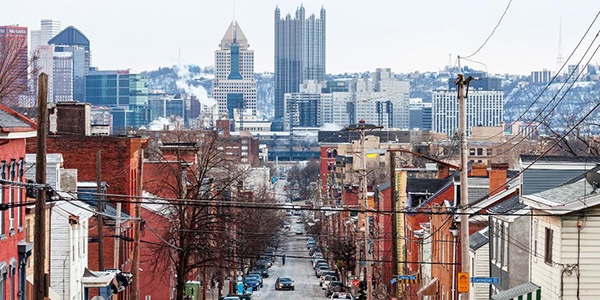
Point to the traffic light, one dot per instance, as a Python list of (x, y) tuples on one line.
[(362, 290)]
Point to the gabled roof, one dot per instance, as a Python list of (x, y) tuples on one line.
[(418, 185), (508, 206), (234, 31), (15, 125), (559, 158), (70, 36), (575, 195)]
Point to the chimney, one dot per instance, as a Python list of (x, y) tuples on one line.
[(443, 171), (73, 118), (478, 170), (498, 178)]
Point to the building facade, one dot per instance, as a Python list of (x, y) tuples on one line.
[(48, 29), (13, 52), (71, 40), (234, 86), (299, 54), (484, 108)]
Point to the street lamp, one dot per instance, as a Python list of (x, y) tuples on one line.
[(454, 231)]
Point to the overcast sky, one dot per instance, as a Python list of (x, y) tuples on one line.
[(361, 35)]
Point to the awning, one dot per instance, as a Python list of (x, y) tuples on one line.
[(51, 293), (93, 279), (428, 289), (526, 290)]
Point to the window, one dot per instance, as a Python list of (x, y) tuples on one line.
[(548, 246), (505, 248), (489, 151), (535, 239)]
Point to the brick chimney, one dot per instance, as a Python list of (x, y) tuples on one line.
[(479, 170), (498, 178)]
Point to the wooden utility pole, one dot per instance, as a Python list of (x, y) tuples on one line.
[(40, 277), (463, 84), (100, 219), (394, 219), (135, 264)]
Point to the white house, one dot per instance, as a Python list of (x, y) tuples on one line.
[(69, 247), (565, 261)]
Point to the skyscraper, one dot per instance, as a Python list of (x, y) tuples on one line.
[(234, 86), (49, 28), (299, 55), (73, 41)]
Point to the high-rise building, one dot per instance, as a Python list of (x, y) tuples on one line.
[(49, 28), (299, 55), (484, 108), (124, 92), (73, 41), (303, 109), (13, 54), (420, 114), (543, 76), (234, 86), (62, 77)]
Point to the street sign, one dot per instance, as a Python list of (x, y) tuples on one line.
[(463, 282), (393, 280), (407, 277), (485, 280)]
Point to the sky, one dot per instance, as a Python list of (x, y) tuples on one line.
[(405, 36)]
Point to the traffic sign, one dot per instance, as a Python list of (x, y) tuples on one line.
[(407, 277), (463, 282), (485, 280)]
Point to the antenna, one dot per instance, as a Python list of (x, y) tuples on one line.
[(593, 178), (559, 57), (234, 10)]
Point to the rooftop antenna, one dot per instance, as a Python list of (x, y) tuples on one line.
[(559, 57)]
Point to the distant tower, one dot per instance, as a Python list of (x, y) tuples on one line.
[(73, 41), (299, 55), (559, 57), (234, 86)]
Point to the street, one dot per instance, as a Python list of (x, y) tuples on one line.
[(297, 265)]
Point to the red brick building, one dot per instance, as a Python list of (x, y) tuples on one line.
[(14, 250)]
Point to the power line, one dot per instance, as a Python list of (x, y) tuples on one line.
[(493, 31)]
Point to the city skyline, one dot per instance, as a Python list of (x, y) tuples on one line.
[(404, 37)]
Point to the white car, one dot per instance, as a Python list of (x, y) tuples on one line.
[(326, 279), (341, 295)]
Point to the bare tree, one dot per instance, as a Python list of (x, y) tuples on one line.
[(343, 253), (14, 66), (195, 171)]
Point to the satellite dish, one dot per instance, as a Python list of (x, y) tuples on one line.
[(593, 178)]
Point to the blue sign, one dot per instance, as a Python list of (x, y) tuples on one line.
[(485, 280), (393, 280), (407, 277)]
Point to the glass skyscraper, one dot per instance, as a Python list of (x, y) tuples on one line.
[(299, 55), (73, 41)]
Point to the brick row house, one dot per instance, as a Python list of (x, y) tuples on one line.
[(15, 251)]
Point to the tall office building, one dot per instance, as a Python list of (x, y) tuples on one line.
[(299, 55), (484, 108), (73, 41), (124, 92), (49, 28), (13, 54), (234, 86)]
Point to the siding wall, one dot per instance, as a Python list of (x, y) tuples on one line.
[(589, 258), (481, 257), (545, 275)]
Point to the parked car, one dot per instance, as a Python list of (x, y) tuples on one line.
[(263, 269), (256, 275), (252, 282), (284, 283), (322, 268), (237, 297), (326, 279), (334, 286), (232, 298), (342, 295)]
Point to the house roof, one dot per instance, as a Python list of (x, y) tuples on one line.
[(559, 158), (416, 185), (575, 195), (74, 207), (508, 206), (479, 238), (11, 122), (516, 291)]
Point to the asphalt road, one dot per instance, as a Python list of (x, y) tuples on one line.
[(297, 265)]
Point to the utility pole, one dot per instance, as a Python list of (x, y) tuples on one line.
[(361, 126), (394, 220), (135, 264), (99, 218), (40, 277), (463, 85)]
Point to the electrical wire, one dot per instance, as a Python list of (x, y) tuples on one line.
[(492, 33)]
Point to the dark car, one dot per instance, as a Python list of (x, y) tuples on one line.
[(257, 275), (252, 282), (334, 286), (262, 269), (284, 283)]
